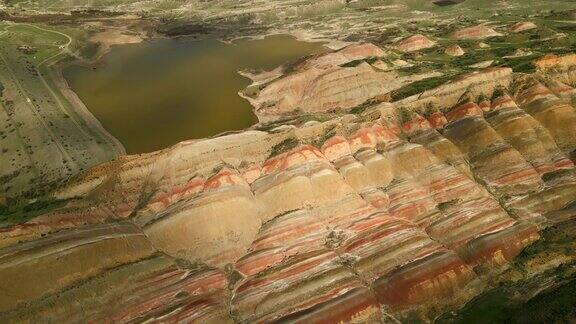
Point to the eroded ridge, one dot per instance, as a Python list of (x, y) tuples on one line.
[(407, 208)]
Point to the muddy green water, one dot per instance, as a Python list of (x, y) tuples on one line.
[(157, 93)]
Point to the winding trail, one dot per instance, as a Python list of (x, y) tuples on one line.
[(83, 129), (77, 115), (65, 49)]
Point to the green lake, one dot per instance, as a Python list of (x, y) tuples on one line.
[(154, 94)]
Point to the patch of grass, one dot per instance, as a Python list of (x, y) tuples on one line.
[(369, 60), (284, 146), (421, 68), (498, 92), (472, 57), (291, 66), (490, 307), (555, 174), (22, 212), (233, 275), (556, 305), (419, 86), (554, 238), (530, 251), (567, 28), (328, 133), (296, 119), (429, 110), (362, 107), (508, 302), (521, 64), (404, 114), (447, 204)]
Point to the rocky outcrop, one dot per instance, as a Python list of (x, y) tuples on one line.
[(321, 88), (522, 26), (554, 114), (414, 43), (476, 32), (407, 209), (482, 45), (454, 50), (331, 82), (480, 83), (347, 54), (558, 68), (554, 61)]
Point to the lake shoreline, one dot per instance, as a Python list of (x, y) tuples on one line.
[(96, 63), (55, 73)]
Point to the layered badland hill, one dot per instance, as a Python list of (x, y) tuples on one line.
[(394, 211)]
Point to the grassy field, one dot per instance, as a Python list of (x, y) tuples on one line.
[(44, 140)]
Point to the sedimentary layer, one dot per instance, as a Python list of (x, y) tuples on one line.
[(328, 83), (407, 208)]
